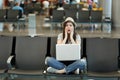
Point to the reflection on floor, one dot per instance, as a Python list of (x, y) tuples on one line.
[(48, 29)]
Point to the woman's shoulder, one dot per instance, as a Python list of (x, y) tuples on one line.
[(60, 35), (78, 36)]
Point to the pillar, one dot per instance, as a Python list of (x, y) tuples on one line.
[(116, 13), (107, 7)]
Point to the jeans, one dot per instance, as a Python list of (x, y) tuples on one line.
[(52, 62)]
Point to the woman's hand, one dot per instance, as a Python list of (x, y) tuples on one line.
[(66, 34), (71, 34)]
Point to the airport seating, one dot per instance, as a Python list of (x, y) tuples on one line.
[(74, 6), (71, 13), (66, 6), (37, 7), (29, 57), (70, 6), (57, 16), (31, 8), (2, 15), (102, 54), (5, 51), (83, 16), (96, 16), (80, 6), (12, 15)]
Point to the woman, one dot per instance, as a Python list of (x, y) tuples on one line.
[(69, 36)]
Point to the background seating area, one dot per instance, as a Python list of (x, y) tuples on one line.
[(9, 15), (31, 8), (81, 16)]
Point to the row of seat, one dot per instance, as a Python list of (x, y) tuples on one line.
[(22, 55), (80, 16), (73, 6), (30, 8), (9, 15), (25, 55)]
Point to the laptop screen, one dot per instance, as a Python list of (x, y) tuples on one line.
[(67, 52)]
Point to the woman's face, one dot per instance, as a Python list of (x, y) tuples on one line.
[(69, 27)]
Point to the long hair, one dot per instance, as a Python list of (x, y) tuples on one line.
[(74, 33)]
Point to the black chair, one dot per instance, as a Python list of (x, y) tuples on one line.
[(66, 6), (12, 15), (71, 13), (29, 8), (37, 7), (5, 51), (74, 6), (29, 57), (2, 15), (57, 16), (83, 16), (80, 6), (102, 54), (96, 16)]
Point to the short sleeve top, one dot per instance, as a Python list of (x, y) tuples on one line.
[(60, 37)]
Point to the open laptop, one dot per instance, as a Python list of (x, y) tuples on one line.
[(67, 52)]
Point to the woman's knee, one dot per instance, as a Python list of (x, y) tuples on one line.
[(81, 63), (48, 59)]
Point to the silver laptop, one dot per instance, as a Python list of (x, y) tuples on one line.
[(67, 52)]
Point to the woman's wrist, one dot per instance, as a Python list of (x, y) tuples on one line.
[(64, 41)]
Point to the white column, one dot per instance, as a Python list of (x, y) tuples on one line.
[(116, 13), (1, 4), (32, 25), (107, 8)]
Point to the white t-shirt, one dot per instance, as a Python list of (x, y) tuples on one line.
[(45, 4), (60, 37)]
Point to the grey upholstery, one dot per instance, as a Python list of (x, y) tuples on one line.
[(12, 15), (66, 6), (71, 13), (57, 15), (37, 7), (102, 54), (74, 6), (29, 55), (2, 15), (70, 6), (83, 16), (96, 16), (53, 46), (5, 50)]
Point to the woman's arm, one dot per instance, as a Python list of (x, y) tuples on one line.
[(60, 40)]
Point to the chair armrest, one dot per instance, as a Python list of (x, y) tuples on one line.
[(10, 62), (4, 17)]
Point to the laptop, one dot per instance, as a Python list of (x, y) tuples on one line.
[(68, 52)]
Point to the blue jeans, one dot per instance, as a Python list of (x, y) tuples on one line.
[(52, 62)]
